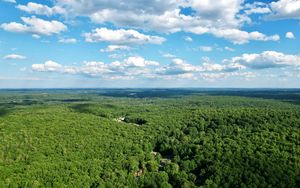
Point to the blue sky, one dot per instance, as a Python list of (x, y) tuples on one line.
[(142, 43)]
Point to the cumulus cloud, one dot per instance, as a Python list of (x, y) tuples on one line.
[(266, 59), (121, 36), (35, 26), (222, 12), (209, 66), (139, 62), (113, 48), (178, 66), (138, 67), (39, 9), (212, 67), (129, 68), (132, 66), (290, 35), (223, 18), (285, 9), (257, 8), (235, 66), (68, 40), (173, 21), (15, 57), (48, 66), (135, 67), (88, 7), (241, 37)]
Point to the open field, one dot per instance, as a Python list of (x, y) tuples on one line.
[(150, 138)]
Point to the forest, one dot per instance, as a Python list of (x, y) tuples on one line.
[(150, 138)]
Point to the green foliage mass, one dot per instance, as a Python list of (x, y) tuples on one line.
[(133, 138)]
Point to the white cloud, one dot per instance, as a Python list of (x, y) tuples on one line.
[(206, 48), (139, 68), (68, 40), (210, 66), (14, 27), (113, 48), (188, 39), (48, 66), (35, 26), (88, 7), (139, 62), (91, 68), (285, 9), (36, 36), (223, 18), (168, 55), (39, 9), (15, 57), (229, 49), (266, 59), (222, 13), (173, 21), (136, 67), (241, 37), (290, 35), (257, 8), (121, 36), (132, 66), (178, 66)]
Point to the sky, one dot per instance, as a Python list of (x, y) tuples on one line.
[(149, 44)]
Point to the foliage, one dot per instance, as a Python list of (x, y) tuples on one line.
[(72, 138)]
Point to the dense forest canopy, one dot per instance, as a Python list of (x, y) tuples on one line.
[(150, 138)]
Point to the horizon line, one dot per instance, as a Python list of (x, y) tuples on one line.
[(123, 88)]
